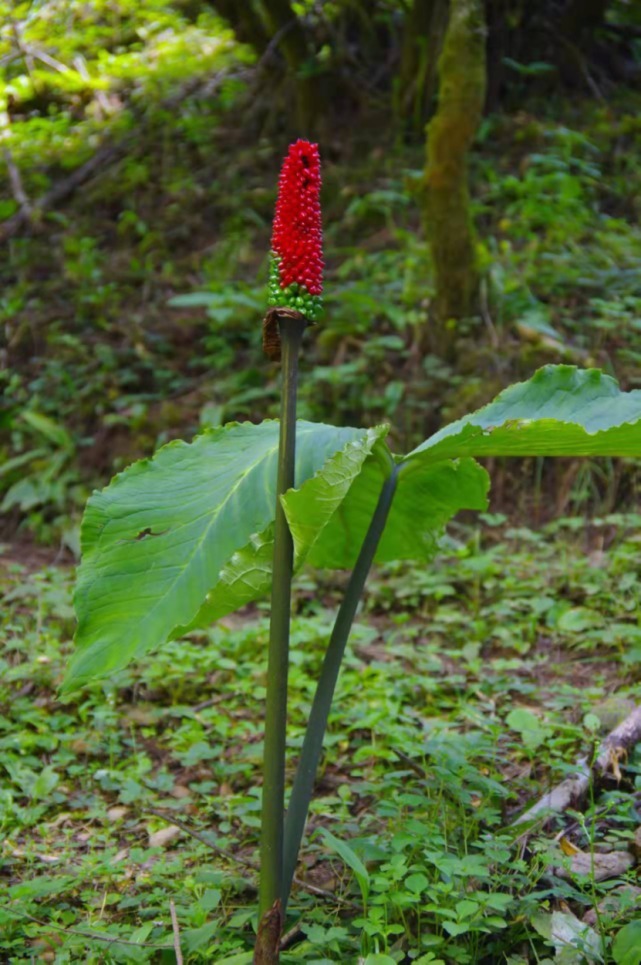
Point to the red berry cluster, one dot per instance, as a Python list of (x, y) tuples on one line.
[(297, 237)]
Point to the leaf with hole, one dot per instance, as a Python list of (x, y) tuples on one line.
[(165, 532)]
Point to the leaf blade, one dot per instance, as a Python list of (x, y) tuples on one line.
[(427, 496), (248, 574), (560, 411), (156, 539)]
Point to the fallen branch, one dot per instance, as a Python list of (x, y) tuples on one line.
[(291, 937), (573, 790), (105, 156), (93, 935), (243, 862), (17, 188)]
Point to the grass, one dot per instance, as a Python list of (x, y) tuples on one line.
[(468, 689)]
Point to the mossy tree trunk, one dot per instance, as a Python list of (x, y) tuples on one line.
[(448, 223), (421, 45)]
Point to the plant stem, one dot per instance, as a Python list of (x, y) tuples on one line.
[(317, 723), (273, 807)]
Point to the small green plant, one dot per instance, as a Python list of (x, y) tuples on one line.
[(40, 480), (201, 529)]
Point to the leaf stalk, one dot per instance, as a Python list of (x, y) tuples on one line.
[(317, 724)]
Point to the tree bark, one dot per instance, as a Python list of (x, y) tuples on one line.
[(273, 24), (245, 23), (446, 209), (287, 33), (582, 18), (421, 45)]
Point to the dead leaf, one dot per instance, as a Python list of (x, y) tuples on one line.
[(117, 813), (59, 819), (159, 839), (180, 791), (617, 754), (567, 847), (137, 715)]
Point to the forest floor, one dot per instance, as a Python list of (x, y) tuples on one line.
[(131, 314), (469, 689)]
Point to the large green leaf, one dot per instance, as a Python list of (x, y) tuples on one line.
[(560, 411), (248, 574), (157, 538), (426, 498), (181, 539)]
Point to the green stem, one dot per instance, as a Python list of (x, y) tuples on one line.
[(317, 723), (273, 806)]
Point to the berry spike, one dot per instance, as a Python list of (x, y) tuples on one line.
[(296, 271)]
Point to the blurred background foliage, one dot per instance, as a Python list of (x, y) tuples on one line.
[(140, 146)]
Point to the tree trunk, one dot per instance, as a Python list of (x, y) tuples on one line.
[(420, 48), (582, 18), (287, 33), (245, 23), (273, 24), (448, 223), (500, 17), (577, 27)]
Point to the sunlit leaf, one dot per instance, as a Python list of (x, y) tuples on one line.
[(156, 540), (560, 411), (426, 498), (247, 575)]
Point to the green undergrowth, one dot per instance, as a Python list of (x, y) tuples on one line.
[(470, 687), (132, 313)]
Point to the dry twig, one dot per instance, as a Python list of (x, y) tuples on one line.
[(199, 836), (17, 188), (94, 936), (234, 858), (105, 156)]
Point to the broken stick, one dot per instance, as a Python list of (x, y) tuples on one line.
[(571, 792)]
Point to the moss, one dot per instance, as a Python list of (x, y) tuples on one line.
[(449, 136)]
